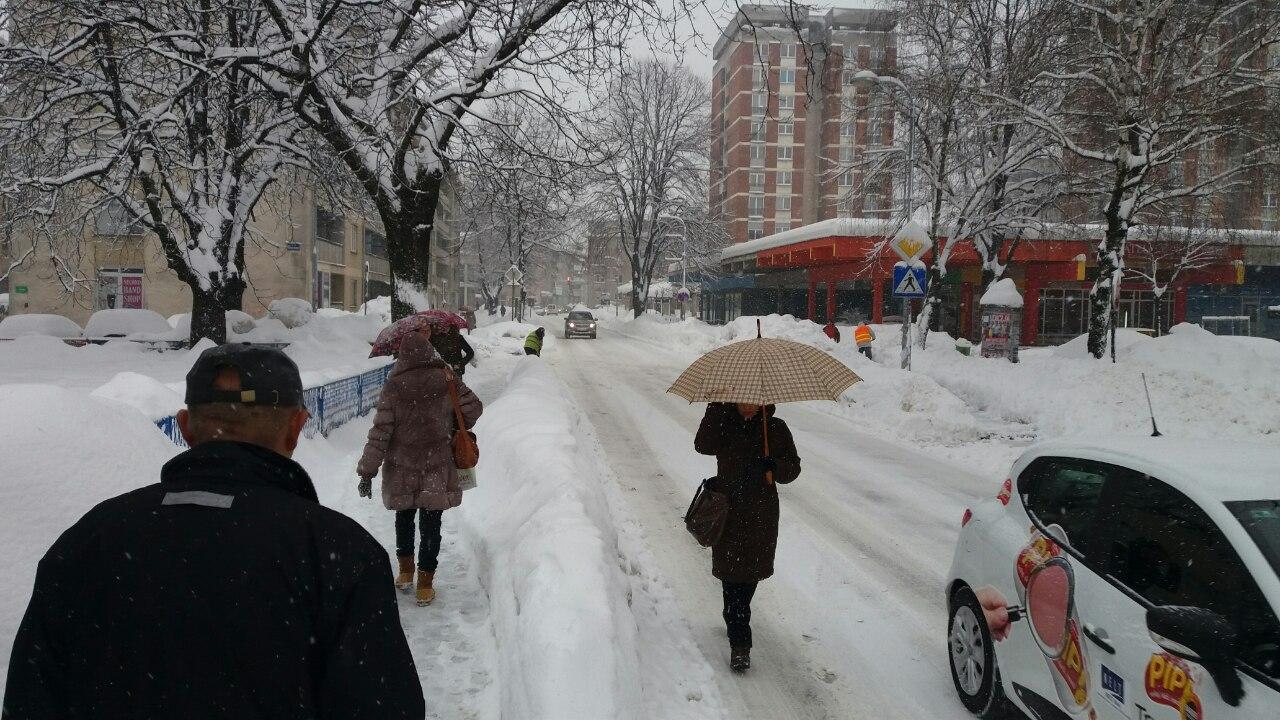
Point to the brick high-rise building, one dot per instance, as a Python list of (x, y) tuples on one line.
[(791, 125)]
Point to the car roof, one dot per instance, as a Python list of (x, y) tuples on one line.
[(1202, 468)]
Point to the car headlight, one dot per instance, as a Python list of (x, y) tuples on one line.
[(572, 325)]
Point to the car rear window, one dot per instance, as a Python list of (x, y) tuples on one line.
[(580, 316), (1261, 519)]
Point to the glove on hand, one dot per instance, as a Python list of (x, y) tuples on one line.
[(365, 488)]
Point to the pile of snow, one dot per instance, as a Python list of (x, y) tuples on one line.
[(541, 524), (1002, 293), (63, 454), (238, 323), (145, 394), (54, 326), (1078, 348), (124, 322), (379, 307), (293, 312)]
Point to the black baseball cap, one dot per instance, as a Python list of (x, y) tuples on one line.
[(267, 377)]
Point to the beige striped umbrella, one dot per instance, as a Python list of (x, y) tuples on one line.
[(764, 371)]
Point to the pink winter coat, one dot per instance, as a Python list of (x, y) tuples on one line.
[(412, 434)]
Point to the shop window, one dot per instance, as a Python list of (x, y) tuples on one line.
[(113, 219), (120, 288)]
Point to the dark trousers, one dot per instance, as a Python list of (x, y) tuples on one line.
[(737, 612), (865, 350), (429, 550)]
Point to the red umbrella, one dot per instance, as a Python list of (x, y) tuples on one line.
[(388, 342), (444, 317)]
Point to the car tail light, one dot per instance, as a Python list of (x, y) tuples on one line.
[(1006, 492), (968, 515)]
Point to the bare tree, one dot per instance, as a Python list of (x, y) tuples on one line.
[(650, 162), (1159, 255), (389, 85), (1152, 83), (128, 112)]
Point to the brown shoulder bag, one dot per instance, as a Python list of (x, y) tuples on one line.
[(466, 452)]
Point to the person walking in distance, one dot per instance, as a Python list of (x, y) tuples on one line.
[(533, 342), (863, 335), (831, 331), (225, 590), (452, 347), (411, 441), (734, 434)]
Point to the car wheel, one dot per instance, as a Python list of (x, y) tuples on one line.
[(973, 658)]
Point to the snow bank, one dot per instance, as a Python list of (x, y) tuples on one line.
[(540, 523), (238, 323), (54, 326), (1003, 293), (152, 398), (379, 307), (63, 454)]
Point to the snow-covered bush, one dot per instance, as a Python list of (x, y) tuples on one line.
[(293, 312)]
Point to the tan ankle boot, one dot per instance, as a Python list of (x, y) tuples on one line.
[(426, 593), (404, 580)]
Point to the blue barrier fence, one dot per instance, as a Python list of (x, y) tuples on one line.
[(331, 405)]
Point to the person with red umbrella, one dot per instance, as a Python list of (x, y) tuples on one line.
[(411, 441)]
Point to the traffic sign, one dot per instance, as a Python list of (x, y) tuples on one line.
[(911, 242), (909, 281), (513, 275), (682, 294)]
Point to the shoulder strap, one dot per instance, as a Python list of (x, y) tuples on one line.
[(452, 382)]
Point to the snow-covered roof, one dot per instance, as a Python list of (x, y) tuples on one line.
[(869, 227), (852, 227), (1003, 293), (1204, 469)]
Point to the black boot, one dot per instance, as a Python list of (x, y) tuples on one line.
[(740, 659)]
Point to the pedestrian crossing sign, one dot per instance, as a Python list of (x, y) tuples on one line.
[(909, 281)]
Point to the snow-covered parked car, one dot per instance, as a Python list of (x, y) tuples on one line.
[(123, 322), (1132, 578), (15, 326)]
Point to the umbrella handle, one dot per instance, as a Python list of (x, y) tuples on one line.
[(764, 413)]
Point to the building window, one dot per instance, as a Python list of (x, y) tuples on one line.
[(788, 50), (875, 132), (759, 103), (757, 77), (781, 226), (784, 152), (846, 154), (375, 243), (757, 180), (330, 228), (870, 202), (120, 288), (755, 206), (1177, 172), (754, 233), (846, 179), (114, 219), (842, 207), (850, 77), (787, 76), (784, 177), (877, 57), (786, 101), (757, 153), (757, 130), (784, 203), (786, 127), (846, 129), (1271, 198)]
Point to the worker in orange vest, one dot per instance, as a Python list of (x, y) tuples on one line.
[(864, 336)]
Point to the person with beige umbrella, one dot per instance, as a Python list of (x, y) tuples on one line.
[(737, 513)]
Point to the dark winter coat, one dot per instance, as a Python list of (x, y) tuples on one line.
[(412, 434), (453, 348), (746, 549), (227, 591)]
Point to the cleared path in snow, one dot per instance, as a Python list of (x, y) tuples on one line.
[(852, 625)]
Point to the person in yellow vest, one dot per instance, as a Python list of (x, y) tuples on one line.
[(864, 336), (533, 343)]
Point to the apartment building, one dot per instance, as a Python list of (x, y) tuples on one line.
[(301, 247), (606, 267), (792, 125)]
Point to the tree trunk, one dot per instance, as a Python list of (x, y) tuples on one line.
[(409, 235), (209, 310), (932, 299), (1102, 296)]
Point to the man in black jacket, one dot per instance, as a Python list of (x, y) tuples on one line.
[(226, 590)]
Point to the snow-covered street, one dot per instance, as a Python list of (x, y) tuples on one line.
[(853, 623)]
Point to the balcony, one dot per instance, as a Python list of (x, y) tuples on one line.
[(378, 266), (330, 252)]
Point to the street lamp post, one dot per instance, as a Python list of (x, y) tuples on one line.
[(910, 191)]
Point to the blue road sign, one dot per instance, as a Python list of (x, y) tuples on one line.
[(909, 281)]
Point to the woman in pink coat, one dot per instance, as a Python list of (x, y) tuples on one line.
[(412, 441)]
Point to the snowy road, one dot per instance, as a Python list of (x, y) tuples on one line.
[(853, 623)]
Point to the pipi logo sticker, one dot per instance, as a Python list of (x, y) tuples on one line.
[(1170, 682)]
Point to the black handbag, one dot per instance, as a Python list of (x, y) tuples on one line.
[(705, 519)]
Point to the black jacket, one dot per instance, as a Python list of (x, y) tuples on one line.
[(225, 591), (453, 348)]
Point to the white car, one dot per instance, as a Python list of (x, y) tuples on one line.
[(1134, 578)]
